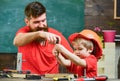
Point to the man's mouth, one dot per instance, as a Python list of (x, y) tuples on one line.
[(42, 29)]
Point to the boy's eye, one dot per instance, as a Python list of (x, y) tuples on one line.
[(74, 49), (78, 49)]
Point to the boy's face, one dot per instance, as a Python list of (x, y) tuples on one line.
[(37, 24), (80, 50)]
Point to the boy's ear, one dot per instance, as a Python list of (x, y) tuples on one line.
[(90, 50)]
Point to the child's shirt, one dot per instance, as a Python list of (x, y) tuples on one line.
[(89, 71)]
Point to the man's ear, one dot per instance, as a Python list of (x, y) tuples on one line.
[(26, 21)]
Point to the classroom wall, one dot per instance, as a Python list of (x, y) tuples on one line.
[(66, 16)]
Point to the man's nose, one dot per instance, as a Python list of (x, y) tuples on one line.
[(41, 24)]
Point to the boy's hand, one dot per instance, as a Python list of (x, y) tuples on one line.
[(55, 52)]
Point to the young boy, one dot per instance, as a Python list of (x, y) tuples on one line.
[(87, 50)]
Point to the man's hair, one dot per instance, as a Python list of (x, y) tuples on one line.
[(34, 9)]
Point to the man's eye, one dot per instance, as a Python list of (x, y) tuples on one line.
[(36, 22), (43, 20)]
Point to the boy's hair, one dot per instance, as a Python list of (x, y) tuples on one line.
[(34, 9), (85, 42)]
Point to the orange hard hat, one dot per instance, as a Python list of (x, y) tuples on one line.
[(90, 35)]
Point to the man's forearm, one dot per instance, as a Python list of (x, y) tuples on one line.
[(25, 38)]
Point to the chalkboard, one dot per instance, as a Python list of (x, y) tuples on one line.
[(66, 16), (116, 9)]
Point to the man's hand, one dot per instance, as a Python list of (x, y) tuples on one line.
[(52, 38)]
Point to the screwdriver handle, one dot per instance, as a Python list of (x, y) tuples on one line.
[(57, 41), (101, 78)]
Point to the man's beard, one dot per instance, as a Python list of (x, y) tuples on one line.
[(45, 28)]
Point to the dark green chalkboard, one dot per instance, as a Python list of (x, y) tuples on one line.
[(66, 16)]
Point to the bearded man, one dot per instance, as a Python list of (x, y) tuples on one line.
[(36, 40)]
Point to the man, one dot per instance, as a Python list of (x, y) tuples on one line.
[(36, 40)]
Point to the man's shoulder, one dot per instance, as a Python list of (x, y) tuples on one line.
[(52, 30), (24, 28)]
